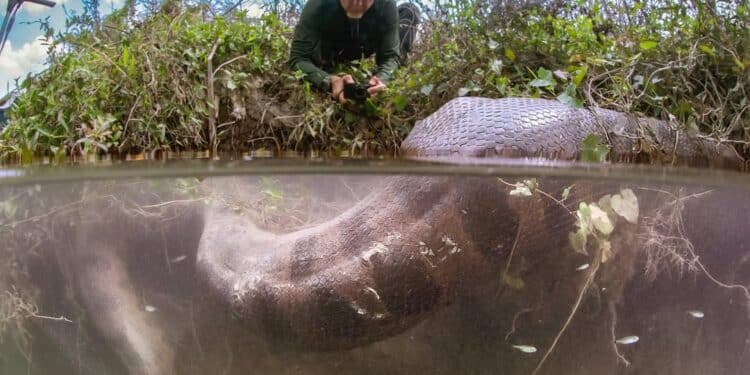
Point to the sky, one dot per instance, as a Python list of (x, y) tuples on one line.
[(25, 51)]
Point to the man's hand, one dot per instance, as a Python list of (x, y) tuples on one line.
[(376, 85), (337, 86)]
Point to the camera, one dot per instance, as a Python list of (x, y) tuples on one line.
[(356, 91)]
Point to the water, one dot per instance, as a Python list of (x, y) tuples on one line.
[(373, 267)]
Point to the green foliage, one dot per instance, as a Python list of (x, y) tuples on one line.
[(142, 85)]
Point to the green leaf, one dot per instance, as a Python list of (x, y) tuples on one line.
[(566, 193), (625, 204), (601, 220), (592, 151), (510, 54), (513, 282), (399, 102), (544, 79), (648, 44), (580, 74), (709, 50), (572, 101), (577, 241)]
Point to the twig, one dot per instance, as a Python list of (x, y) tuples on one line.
[(213, 110)]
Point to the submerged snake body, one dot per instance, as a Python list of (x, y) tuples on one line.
[(414, 242)]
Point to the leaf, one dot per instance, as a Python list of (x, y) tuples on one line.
[(399, 102), (525, 348), (601, 220), (491, 44), (572, 101), (544, 79), (566, 193), (577, 241), (709, 50), (592, 151), (513, 282), (149, 308), (231, 85), (580, 74), (696, 314), (625, 204), (648, 44), (427, 89), (510, 54), (583, 267), (561, 74), (496, 66), (521, 190), (627, 340)]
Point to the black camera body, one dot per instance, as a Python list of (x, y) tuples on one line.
[(356, 91)]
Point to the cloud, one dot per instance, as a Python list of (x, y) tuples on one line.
[(16, 62), (31, 8)]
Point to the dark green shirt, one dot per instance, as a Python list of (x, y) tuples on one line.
[(325, 36)]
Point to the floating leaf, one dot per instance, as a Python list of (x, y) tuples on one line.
[(150, 308), (625, 204), (627, 340), (592, 151), (648, 44), (179, 259), (525, 348), (582, 267), (696, 314), (427, 89)]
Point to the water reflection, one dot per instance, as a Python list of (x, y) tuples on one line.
[(373, 273)]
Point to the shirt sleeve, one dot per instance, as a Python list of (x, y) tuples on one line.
[(306, 37), (387, 56)]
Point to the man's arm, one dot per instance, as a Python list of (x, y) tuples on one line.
[(387, 56), (306, 37)]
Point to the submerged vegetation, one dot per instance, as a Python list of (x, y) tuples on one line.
[(177, 76)]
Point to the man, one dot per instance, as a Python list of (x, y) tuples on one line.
[(330, 32)]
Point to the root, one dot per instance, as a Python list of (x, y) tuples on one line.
[(515, 318), (613, 324), (576, 306), (667, 246)]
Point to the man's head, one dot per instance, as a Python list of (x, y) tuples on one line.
[(356, 8)]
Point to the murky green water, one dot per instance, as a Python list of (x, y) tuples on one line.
[(373, 267)]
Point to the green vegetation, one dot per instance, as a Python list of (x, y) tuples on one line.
[(179, 78)]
